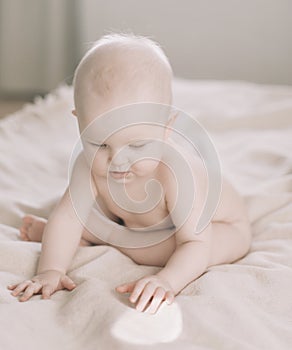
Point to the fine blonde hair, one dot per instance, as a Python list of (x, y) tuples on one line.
[(124, 64)]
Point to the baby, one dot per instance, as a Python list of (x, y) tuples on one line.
[(125, 70)]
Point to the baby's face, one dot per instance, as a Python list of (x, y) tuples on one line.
[(133, 152)]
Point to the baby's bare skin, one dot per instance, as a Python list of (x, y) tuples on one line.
[(228, 240), (184, 256), (33, 227), (230, 219)]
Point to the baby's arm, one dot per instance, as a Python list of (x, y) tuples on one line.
[(192, 255), (60, 240), (188, 262), (61, 237)]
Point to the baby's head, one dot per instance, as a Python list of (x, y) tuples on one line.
[(119, 70), (122, 70)]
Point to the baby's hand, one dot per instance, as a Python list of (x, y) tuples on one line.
[(151, 289), (45, 283)]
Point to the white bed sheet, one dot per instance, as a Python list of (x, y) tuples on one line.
[(245, 305)]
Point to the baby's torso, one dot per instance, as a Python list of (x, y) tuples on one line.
[(157, 254), (108, 217), (132, 219)]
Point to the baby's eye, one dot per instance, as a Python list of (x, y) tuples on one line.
[(103, 145), (138, 145)]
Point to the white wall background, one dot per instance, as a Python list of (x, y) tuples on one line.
[(42, 41)]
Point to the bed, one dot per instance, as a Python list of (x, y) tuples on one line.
[(246, 305)]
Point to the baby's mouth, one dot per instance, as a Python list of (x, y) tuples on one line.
[(119, 174)]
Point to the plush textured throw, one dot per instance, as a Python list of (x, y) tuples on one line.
[(244, 306)]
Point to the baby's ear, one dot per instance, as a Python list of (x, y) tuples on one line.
[(74, 112)]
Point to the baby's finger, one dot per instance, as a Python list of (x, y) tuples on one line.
[(47, 291), (12, 286), (30, 291), (146, 296), (126, 288), (156, 301), (139, 286), (169, 297), (21, 287), (68, 283)]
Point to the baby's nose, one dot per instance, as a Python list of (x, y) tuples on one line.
[(119, 158)]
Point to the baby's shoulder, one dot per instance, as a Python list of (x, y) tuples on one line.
[(188, 174), (180, 156), (230, 207)]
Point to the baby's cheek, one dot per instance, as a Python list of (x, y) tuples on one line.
[(99, 165), (145, 166)]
